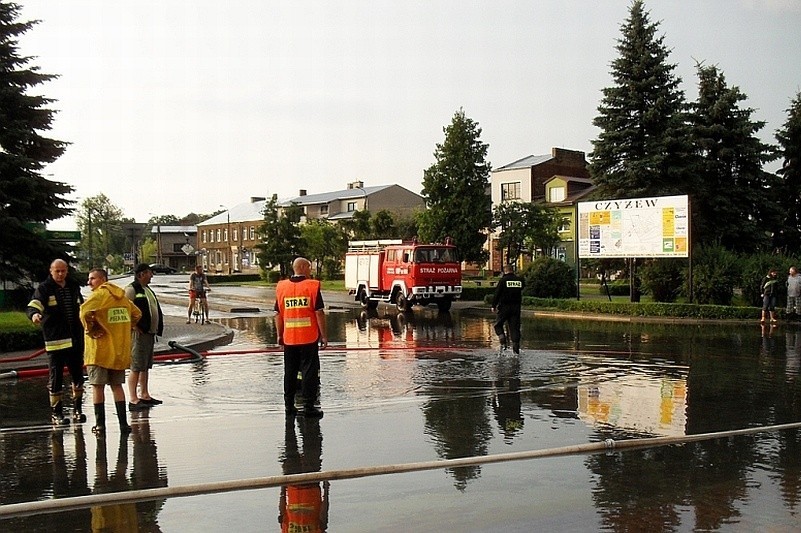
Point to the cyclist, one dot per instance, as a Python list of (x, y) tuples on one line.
[(198, 287)]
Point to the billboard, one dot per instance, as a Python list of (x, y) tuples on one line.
[(634, 227)]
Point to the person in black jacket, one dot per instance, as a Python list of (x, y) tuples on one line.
[(54, 306), (150, 326), (506, 303)]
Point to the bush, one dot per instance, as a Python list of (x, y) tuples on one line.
[(477, 294), (616, 288), (271, 276), (546, 277), (662, 278), (716, 272), (18, 333)]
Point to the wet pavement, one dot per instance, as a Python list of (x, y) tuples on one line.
[(425, 386)]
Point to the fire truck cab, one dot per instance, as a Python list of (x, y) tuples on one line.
[(403, 273)]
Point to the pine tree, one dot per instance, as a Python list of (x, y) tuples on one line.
[(787, 236), (455, 189), (732, 205), (642, 149), (27, 199)]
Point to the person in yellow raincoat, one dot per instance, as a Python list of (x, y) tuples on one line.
[(108, 317)]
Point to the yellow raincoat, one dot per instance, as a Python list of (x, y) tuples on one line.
[(108, 317)]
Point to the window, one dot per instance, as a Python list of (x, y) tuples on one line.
[(351, 207), (564, 226), (211, 235), (510, 191), (204, 236), (324, 209), (225, 234), (252, 233), (218, 235), (233, 234), (556, 194)]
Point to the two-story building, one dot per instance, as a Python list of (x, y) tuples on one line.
[(340, 205), (560, 178), (175, 246)]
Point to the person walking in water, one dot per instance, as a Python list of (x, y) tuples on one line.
[(301, 329), (108, 317), (54, 307), (506, 303)]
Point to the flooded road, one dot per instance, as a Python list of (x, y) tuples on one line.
[(423, 387)]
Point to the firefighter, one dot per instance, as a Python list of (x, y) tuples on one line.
[(54, 307), (300, 327), (506, 303)]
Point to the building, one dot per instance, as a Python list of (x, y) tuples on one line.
[(340, 205), (560, 178), (222, 254), (175, 246), (226, 242)]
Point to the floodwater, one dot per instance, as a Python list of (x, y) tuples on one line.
[(424, 387)]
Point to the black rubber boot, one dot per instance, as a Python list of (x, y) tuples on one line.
[(122, 416), (516, 347), (57, 415), (99, 428), (77, 408)]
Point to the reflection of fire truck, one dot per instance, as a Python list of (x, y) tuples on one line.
[(403, 273)]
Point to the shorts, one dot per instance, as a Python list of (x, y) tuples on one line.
[(105, 376), (197, 294), (142, 351)]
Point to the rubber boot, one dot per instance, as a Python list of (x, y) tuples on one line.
[(77, 407), (99, 428), (502, 339), (122, 417), (57, 414), (516, 348)]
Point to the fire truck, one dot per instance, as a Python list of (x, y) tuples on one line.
[(403, 273)]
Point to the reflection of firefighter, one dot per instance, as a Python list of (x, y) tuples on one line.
[(506, 401), (303, 507)]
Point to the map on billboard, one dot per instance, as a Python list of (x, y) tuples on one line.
[(634, 227)]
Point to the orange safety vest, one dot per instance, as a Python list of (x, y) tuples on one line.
[(297, 301)]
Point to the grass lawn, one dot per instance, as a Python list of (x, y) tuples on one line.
[(15, 321)]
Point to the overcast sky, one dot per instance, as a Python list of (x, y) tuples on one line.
[(176, 106)]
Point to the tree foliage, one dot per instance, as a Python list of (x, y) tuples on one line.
[(28, 200), (732, 204), (526, 226), (324, 242), (642, 149), (787, 236), (455, 189), (100, 222), (281, 237)]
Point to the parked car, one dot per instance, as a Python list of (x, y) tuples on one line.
[(162, 269)]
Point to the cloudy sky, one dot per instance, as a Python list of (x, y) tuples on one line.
[(178, 106)]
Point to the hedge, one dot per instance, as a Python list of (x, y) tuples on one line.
[(655, 310), (19, 333)]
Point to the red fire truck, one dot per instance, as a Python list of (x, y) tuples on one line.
[(403, 273)]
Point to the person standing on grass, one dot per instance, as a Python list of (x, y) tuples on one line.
[(793, 293), (108, 318), (770, 286), (148, 327), (54, 307)]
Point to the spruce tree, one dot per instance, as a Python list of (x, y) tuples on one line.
[(787, 237), (28, 200), (642, 149), (455, 189), (732, 204)]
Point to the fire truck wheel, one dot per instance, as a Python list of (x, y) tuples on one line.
[(402, 302), (366, 302), (444, 305)]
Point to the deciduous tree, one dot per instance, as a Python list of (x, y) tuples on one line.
[(281, 240)]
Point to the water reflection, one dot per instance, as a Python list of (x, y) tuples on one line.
[(303, 507)]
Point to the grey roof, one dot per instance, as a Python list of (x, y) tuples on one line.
[(246, 212), (526, 162), (325, 197)]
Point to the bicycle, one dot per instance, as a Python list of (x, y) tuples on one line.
[(200, 308)]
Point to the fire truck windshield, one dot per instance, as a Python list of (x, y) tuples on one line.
[(439, 254)]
